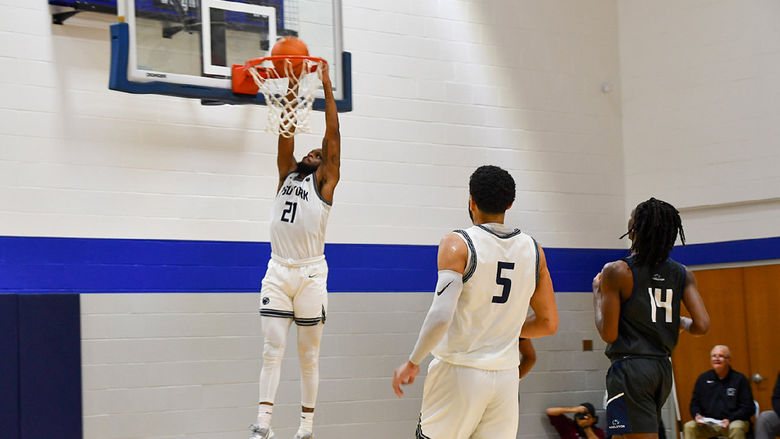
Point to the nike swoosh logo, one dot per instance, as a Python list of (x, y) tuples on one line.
[(710, 381), (438, 293), (312, 275)]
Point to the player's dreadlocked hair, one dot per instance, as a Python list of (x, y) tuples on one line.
[(492, 188), (656, 225)]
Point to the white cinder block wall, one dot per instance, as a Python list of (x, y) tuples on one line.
[(186, 365), (440, 88), (701, 113)]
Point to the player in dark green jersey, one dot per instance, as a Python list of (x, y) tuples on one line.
[(637, 304)]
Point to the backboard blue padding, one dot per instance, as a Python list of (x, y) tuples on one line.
[(118, 80), (152, 9)]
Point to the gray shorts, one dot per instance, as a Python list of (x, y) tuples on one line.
[(637, 388)]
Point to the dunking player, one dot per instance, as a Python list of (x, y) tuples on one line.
[(488, 276), (637, 304), (294, 287)]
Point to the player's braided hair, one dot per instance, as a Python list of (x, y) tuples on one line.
[(492, 188), (656, 225)]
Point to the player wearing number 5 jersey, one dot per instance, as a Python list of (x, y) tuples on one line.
[(637, 305), (294, 286), (489, 275)]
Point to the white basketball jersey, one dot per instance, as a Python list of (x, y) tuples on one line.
[(500, 278), (298, 219)]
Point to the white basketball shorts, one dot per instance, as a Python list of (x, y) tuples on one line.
[(463, 402), (295, 291)]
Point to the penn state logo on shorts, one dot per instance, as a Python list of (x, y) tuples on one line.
[(731, 391), (617, 416), (616, 424), (266, 300)]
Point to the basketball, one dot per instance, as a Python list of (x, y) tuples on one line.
[(289, 46)]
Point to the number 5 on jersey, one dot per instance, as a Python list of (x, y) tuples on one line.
[(503, 281)]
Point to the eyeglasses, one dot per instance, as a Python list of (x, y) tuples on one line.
[(719, 356)]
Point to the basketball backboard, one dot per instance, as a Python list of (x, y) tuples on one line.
[(186, 48)]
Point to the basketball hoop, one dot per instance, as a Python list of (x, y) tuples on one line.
[(288, 83)]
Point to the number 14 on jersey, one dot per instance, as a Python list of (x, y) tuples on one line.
[(659, 300)]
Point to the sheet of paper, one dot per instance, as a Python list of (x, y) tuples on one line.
[(712, 421)]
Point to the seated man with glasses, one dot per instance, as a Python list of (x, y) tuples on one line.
[(722, 401)]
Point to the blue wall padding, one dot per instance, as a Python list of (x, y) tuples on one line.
[(573, 270), (49, 366), (728, 251), (378, 267), (88, 265), (9, 366)]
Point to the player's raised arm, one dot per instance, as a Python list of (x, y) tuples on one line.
[(555, 411), (285, 160), (329, 172), (699, 322), (607, 286), (544, 321)]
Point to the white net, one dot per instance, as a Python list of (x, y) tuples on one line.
[(289, 95)]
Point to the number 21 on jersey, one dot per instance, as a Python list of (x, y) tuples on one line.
[(288, 214), (659, 300)]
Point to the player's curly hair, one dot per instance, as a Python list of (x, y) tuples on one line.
[(492, 188), (656, 225)]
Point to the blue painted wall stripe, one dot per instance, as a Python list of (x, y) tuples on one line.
[(728, 251), (90, 265)]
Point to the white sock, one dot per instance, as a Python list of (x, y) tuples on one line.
[(307, 422), (264, 412)]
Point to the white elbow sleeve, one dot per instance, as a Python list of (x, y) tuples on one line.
[(448, 289)]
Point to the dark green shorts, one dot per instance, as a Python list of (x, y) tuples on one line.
[(637, 388)]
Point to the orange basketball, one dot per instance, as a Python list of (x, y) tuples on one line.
[(289, 46)]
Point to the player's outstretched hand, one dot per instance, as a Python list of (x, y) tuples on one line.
[(325, 69), (685, 324), (404, 375)]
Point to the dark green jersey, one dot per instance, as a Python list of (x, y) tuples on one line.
[(650, 319)]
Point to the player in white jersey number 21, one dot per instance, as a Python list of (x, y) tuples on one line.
[(294, 286), (489, 274)]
